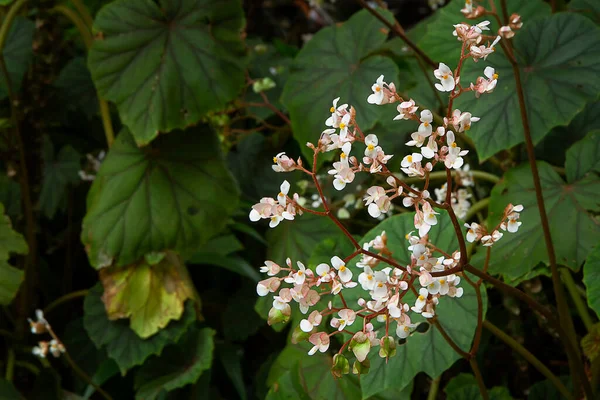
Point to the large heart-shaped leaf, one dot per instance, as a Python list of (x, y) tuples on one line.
[(423, 352), (10, 242), (588, 8), (179, 365), (175, 194), (559, 71), (573, 230), (336, 63), (591, 279), (121, 342), (438, 41), (166, 63), (149, 294), (582, 157)]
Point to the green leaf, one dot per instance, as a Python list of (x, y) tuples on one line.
[(516, 254), (231, 359), (175, 194), (10, 196), (77, 88), (310, 375), (423, 352), (439, 43), (178, 366), (8, 391), (232, 263), (591, 279), (10, 242), (59, 172), (239, 319), (582, 157), (558, 71), (166, 63), (149, 295), (336, 63), (587, 8), (121, 342), (322, 253), (297, 239), (17, 53), (545, 390), (465, 387)]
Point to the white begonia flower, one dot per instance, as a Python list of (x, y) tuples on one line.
[(421, 300), (344, 127), (431, 148), (323, 272), (343, 272), (465, 120), (381, 206), (378, 96), (474, 232), (367, 278), (371, 142), (444, 74), (344, 177), (426, 119), (283, 163), (429, 214), (275, 220), (489, 240), (403, 330), (373, 194), (418, 139), (314, 319), (454, 157), (300, 275), (492, 76), (406, 109), (267, 286), (270, 268), (320, 340), (410, 159), (334, 119), (346, 318), (282, 196)]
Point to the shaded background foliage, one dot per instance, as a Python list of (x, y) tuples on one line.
[(172, 313)]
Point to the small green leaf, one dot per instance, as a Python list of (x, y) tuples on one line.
[(17, 53), (149, 295), (516, 254), (591, 279), (10, 242), (582, 157), (59, 172), (121, 342), (558, 72), (167, 63), (175, 194), (336, 63), (179, 365)]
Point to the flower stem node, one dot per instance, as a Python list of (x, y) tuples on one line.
[(387, 347)]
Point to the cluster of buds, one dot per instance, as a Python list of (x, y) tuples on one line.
[(276, 210), (40, 326), (471, 11), (510, 222)]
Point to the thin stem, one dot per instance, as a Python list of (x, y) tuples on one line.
[(533, 360), (88, 40), (84, 12), (85, 376), (479, 378), (10, 365), (582, 308), (8, 20), (63, 299), (479, 327), (400, 32), (477, 207), (433, 389), (439, 175), (561, 302)]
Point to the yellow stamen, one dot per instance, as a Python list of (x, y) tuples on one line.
[(453, 144), (406, 329), (495, 76), (281, 194), (425, 124), (342, 125), (445, 76), (331, 110), (275, 160), (378, 89), (442, 281), (343, 155), (421, 298), (370, 147), (342, 268), (467, 127), (370, 277), (409, 158), (300, 273)]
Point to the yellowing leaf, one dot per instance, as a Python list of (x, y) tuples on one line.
[(150, 295)]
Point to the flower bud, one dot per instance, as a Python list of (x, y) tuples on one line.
[(299, 335), (360, 345), (340, 366), (276, 316), (387, 347), (361, 368)]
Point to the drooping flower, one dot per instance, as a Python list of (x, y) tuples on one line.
[(444, 74), (406, 110), (320, 340), (343, 271), (378, 96)]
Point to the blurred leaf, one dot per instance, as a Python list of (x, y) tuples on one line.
[(121, 342), (8, 391), (106, 370), (465, 387), (591, 279), (17, 53), (335, 63), (587, 8), (423, 352), (178, 366), (10, 196), (558, 72), (240, 320), (175, 194), (545, 390), (222, 245), (439, 43), (327, 248), (231, 358), (59, 172), (582, 157), (10, 242), (77, 88), (232, 263), (517, 253), (248, 230), (297, 239), (590, 344), (296, 375), (150, 295), (166, 63)]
